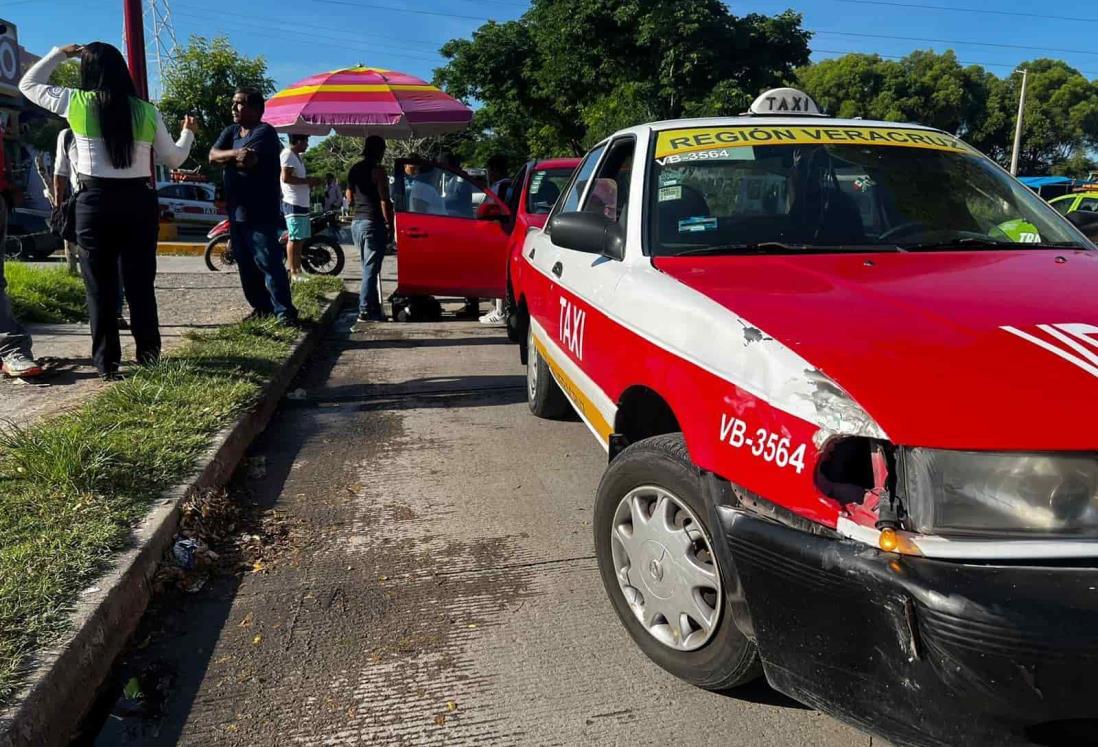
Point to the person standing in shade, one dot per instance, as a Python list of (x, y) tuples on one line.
[(333, 195), (371, 223), (500, 184), (295, 201), (16, 359), (249, 151), (117, 214)]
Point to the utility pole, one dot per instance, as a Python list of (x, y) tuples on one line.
[(1018, 126), (135, 45)]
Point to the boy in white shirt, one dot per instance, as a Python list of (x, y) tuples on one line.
[(295, 201)]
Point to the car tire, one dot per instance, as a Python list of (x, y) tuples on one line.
[(660, 465), (543, 394)]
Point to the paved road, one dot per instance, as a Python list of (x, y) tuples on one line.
[(438, 584)]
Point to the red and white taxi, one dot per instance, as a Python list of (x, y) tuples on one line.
[(845, 372)]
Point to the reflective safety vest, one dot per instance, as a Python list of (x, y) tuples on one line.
[(84, 120)]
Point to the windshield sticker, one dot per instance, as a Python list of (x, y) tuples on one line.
[(697, 224), (678, 143), (670, 193)]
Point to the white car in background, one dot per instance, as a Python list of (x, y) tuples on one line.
[(190, 203)]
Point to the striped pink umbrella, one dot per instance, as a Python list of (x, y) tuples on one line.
[(366, 101)]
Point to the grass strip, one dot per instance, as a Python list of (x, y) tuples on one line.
[(73, 486), (49, 295)]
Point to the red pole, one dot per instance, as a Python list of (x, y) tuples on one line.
[(135, 45)]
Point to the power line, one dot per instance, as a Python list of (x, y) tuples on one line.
[(258, 32), (959, 42), (403, 10), (901, 56), (321, 27), (958, 9), (367, 47)]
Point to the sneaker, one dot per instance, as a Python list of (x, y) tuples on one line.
[(292, 322), (375, 317), (493, 317), (111, 376), (19, 366), (257, 315), (297, 277)]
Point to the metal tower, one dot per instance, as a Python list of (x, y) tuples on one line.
[(161, 29)]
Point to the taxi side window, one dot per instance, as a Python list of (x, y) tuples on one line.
[(1089, 204), (609, 192), (515, 192), (570, 204)]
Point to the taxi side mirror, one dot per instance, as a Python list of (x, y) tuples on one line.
[(592, 233)]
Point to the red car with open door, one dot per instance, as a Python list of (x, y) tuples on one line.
[(452, 237), (534, 191), (459, 240)]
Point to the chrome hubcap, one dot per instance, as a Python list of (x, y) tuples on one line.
[(531, 367), (664, 564)]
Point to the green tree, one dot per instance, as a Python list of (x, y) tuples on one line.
[(1060, 122), (570, 72), (200, 80), (924, 87)]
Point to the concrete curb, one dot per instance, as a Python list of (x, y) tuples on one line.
[(67, 678), (181, 248)]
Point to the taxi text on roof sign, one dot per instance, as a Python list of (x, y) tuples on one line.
[(785, 101), (677, 142)]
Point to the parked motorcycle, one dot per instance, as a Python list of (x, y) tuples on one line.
[(321, 254)]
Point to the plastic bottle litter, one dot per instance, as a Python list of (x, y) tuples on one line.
[(183, 551)]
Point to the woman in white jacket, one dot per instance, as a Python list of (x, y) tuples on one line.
[(117, 136)]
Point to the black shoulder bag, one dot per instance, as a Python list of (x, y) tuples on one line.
[(63, 215)]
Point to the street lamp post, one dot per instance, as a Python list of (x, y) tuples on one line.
[(1018, 125), (135, 45)]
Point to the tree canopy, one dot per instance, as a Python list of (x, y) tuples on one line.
[(569, 72), (200, 80), (1061, 116)]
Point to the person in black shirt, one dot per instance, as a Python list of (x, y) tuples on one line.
[(371, 223), (249, 150)]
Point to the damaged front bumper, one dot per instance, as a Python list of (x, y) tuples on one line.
[(920, 651)]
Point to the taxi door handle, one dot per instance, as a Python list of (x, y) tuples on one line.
[(415, 233), (558, 269)]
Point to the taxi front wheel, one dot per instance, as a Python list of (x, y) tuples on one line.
[(656, 559), (543, 394)]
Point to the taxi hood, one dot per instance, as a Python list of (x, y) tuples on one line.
[(962, 350)]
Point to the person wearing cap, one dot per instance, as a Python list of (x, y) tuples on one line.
[(295, 201)]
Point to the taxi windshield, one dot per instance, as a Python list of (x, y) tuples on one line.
[(795, 189)]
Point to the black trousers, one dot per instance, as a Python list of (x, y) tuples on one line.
[(116, 229)]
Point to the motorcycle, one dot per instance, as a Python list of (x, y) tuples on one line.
[(321, 254)]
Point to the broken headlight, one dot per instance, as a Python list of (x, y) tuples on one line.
[(975, 492)]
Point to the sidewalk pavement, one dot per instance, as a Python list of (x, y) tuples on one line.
[(187, 300)]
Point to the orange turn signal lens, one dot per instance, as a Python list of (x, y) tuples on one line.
[(889, 541)]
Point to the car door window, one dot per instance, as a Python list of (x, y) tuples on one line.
[(1090, 204), (515, 192), (432, 190), (1063, 206), (609, 193), (571, 200), (171, 192)]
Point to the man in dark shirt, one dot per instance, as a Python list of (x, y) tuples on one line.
[(249, 150)]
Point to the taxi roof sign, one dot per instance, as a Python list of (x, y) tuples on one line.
[(788, 102)]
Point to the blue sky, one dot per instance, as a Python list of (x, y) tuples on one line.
[(299, 37)]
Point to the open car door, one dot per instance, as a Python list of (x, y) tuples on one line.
[(451, 234)]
